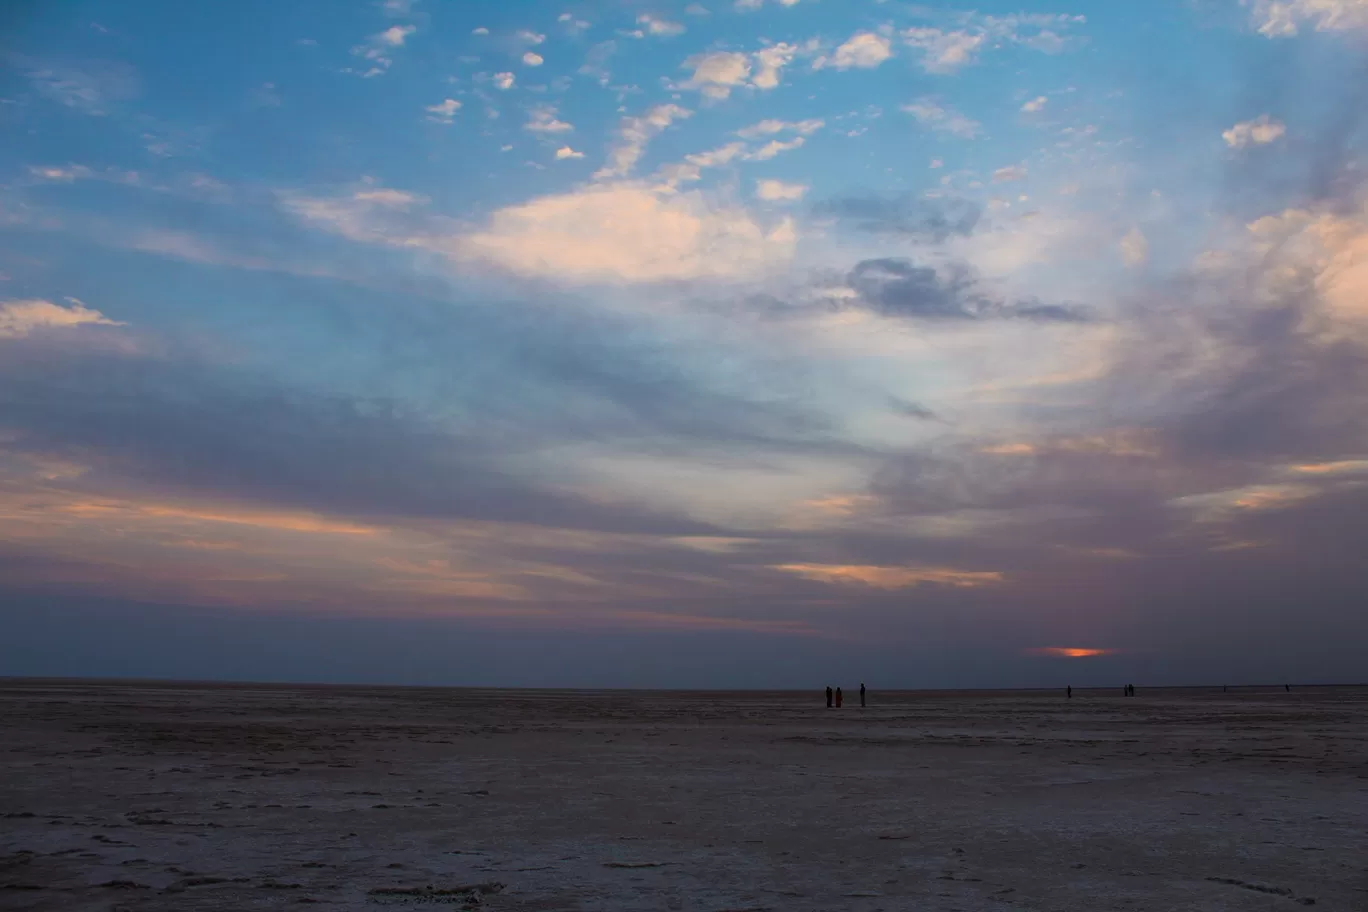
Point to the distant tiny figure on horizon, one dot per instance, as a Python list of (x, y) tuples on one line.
[(1287, 687), (838, 698), (829, 696), (1068, 691), (862, 695)]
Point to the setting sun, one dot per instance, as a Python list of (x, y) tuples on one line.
[(1069, 652)]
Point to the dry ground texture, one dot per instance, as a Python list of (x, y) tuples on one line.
[(189, 797)]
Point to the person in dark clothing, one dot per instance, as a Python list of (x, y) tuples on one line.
[(1068, 691), (1287, 687), (838, 698), (828, 697), (862, 695)]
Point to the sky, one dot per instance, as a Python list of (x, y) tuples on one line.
[(738, 343)]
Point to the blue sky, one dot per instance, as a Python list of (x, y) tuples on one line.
[(873, 338)]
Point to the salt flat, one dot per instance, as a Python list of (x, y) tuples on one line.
[(186, 797)]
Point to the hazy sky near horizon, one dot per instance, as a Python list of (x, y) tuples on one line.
[(738, 342)]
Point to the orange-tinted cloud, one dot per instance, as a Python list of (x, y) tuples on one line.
[(892, 577), (1343, 467)]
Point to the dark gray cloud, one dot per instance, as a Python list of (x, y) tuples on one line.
[(912, 409), (933, 220), (897, 287)]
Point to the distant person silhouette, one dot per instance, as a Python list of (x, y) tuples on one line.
[(1068, 691), (1287, 687), (838, 698), (828, 698), (862, 696)]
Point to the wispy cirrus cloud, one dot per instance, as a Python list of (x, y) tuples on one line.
[(633, 135), (947, 49), (943, 119), (1284, 18)]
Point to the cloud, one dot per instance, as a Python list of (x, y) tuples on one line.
[(628, 233), (1035, 105), (694, 163), (633, 135), (543, 119), (717, 73), (481, 31), (660, 27), (532, 59), (394, 36), (772, 127), (504, 81), (896, 287), (774, 190), (222, 442), (770, 62), (1134, 247), (942, 51), (445, 112), (567, 152), (696, 9), (88, 89), (596, 62), (774, 147), (943, 119), (914, 216), (369, 215), (715, 157), (946, 50), (863, 50), (1283, 18), (19, 318), (379, 46), (1009, 174), (892, 577), (1258, 132), (63, 175), (605, 233)]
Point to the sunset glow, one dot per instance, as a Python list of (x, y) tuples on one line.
[(1069, 652)]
